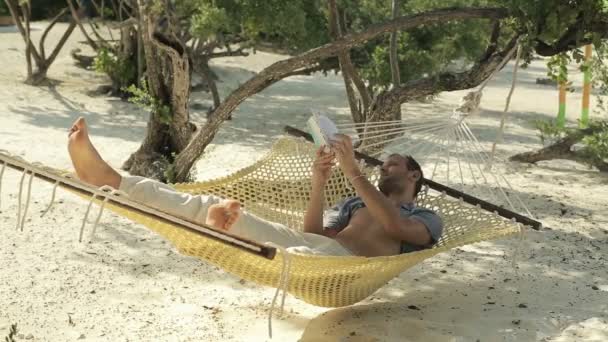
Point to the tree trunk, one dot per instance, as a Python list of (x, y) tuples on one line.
[(208, 78), (388, 113), (394, 61), (37, 75), (562, 149), (25, 10), (76, 18), (349, 73), (140, 48), (13, 7), (168, 79)]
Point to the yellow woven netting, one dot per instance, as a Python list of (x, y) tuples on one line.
[(276, 188)]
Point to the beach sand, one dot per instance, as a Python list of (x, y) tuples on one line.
[(131, 285)]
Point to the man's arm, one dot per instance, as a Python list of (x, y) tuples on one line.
[(379, 206), (383, 210), (313, 218)]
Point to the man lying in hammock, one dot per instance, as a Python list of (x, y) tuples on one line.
[(383, 221)]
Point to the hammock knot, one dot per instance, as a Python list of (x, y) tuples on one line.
[(469, 105)]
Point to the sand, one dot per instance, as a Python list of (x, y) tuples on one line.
[(131, 285)]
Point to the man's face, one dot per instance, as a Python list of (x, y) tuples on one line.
[(393, 175)]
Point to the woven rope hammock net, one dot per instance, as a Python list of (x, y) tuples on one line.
[(276, 188)]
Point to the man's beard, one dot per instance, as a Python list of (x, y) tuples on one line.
[(390, 185)]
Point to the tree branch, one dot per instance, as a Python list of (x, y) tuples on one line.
[(100, 39), (26, 10), (570, 39), (206, 72), (100, 9), (493, 40), (276, 71), (61, 42), (306, 71), (124, 23), (163, 44), (129, 8), (562, 149), (48, 29), (349, 72), (79, 23), (344, 60), (445, 81), (395, 73), (13, 8), (239, 52), (115, 8)]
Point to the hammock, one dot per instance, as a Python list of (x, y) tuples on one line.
[(276, 188)]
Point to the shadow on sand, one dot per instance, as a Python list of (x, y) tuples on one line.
[(433, 302)]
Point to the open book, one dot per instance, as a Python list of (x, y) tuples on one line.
[(322, 130)]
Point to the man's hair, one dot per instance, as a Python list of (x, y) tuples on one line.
[(412, 165)]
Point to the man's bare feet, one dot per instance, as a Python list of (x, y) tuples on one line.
[(223, 215), (89, 166)]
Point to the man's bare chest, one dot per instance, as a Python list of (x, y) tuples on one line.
[(363, 219)]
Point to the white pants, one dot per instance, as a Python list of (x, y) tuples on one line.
[(163, 197)]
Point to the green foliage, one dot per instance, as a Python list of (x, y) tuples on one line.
[(550, 130), (170, 174), (108, 13), (292, 25), (121, 69), (430, 49), (45, 9), (426, 51), (143, 99), (599, 80), (208, 21), (557, 67), (595, 144), (547, 20), (421, 51), (300, 25), (157, 7), (4, 9)]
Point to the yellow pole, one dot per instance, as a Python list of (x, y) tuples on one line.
[(586, 88)]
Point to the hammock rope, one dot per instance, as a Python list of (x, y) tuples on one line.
[(68, 182), (18, 223), (275, 188), (503, 117), (52, 201), (101, 207), (86, 216), (484, 156), (27, 200), (283, 284), (473, 156), (397, 130), (2, 174)]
